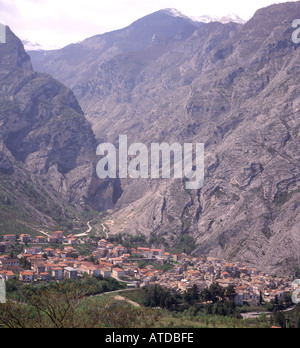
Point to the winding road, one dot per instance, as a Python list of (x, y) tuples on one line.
[(87, 231)]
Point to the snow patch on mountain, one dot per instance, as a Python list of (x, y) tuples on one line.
[(230, 17), (175, 13)]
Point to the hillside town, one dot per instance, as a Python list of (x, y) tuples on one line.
[(45, 263)]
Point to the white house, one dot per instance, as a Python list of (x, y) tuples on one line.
[(26, 276), (57, 273), (70, 273), (105, 272), (118, 273)]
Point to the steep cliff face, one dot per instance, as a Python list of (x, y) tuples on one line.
[(45, 141), (233, 87)]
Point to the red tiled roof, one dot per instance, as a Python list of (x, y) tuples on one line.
[(118, 270), (27, 273)]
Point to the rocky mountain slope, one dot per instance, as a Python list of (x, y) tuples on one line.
[(233, 87), (47, 147)]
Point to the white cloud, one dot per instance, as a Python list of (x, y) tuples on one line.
[(56, 23)]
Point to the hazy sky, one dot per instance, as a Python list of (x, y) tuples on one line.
[(56, 23)]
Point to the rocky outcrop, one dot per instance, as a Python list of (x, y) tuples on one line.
[(46, 143)]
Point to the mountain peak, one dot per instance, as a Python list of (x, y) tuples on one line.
[(174, 13), (12, 53)]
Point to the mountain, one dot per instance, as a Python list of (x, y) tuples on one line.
[(47, 147), (233, 87), (156, 29)]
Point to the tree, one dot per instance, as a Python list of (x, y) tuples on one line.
[(122, 316), (25, 263), (279, 319), (15, 316), (187, 297), (288, 300), (230, 293), (269, 306), (53, 307), (192, 296), (205, 295), (195, 293), (261, 300), (217, 293)]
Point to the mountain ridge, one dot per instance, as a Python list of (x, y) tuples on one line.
[(195, 20), (231, 86)]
